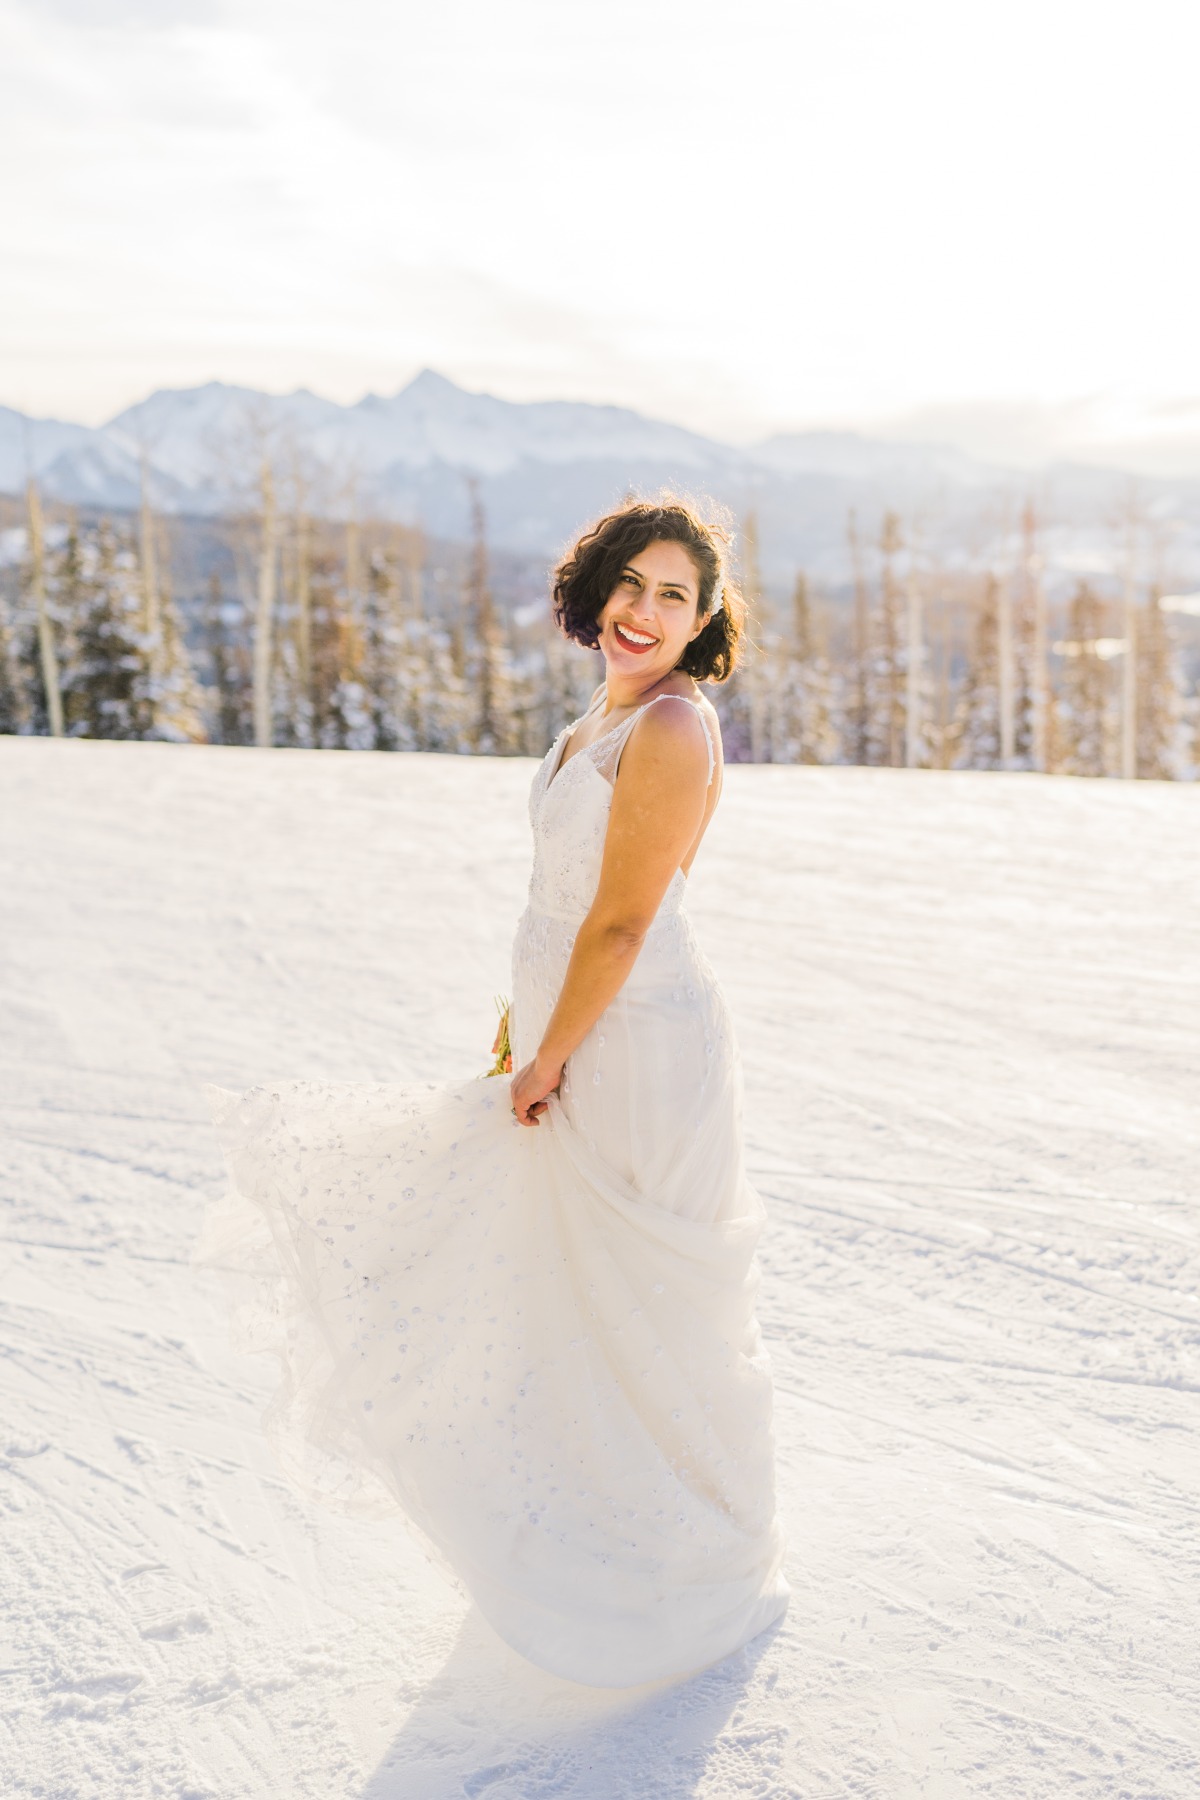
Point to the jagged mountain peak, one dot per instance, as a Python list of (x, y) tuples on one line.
[(546, 466)]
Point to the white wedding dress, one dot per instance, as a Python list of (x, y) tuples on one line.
[(539, 1344)]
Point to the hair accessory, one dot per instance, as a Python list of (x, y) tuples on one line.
[(718, 597)]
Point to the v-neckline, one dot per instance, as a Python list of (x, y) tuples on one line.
[(569, 733)]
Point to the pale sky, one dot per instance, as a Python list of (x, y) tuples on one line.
[(961, 218)]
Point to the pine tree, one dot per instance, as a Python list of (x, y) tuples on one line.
[(22, 699), (51, 699), (442, 700), (752, 675), (858, 734), (291, 638), (302, 606), (264, 616), (430, 706), (978, 744), (1035, 695), (921, 734), (1086, 715), (14, 711), (568, 680), (944, 728), (484, 660), (108, 690), (383, 630), (176, 707), (1157, 708), (1056, 732), (804, 732), (1025, 651), (885, 669), (232, 720), (342, 718)]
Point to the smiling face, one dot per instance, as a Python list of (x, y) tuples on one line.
[(650, 617)]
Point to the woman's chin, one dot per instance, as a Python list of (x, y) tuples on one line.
[(623, 661), (630, 665)]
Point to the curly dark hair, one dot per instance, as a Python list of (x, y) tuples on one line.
[(586, 578)]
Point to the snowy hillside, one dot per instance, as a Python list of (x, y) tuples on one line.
[(967, 1006)]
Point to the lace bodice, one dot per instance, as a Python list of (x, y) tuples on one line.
[(568, 809)]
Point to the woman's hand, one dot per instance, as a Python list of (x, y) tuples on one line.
[(529, 1088)]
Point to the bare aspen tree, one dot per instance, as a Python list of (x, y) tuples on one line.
[(268, 557), (1005, 670), (1159, 695), (414, 564), (891, 542), (147, 552), (795, 727), (1086, 686), (1039, 674), (302, 539), (802, 637), (942, 717), (1157, 703), (913, 658), (1129, 665), (353, 562), (978, 738), (408, 554), (860, 749), (481, 616), (37, 582)]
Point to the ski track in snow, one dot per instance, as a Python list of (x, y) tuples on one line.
[(968, 1008)]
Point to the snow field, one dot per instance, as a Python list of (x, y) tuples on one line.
[(968, 1011)]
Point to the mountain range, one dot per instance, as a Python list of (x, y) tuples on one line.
[(544, 468)]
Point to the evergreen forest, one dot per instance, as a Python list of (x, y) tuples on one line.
[(281, 628)]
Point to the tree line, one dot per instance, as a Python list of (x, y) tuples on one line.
[(355, 634)]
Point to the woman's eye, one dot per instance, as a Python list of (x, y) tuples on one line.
[(632, 579)]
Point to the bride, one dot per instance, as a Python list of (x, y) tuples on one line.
[(525, 1319)]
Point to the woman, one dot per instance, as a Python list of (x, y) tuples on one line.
[(527, 1319)]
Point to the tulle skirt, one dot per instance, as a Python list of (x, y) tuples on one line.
[(539, 1345)]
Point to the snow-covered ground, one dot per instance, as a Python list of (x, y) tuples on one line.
[(968, 1007)]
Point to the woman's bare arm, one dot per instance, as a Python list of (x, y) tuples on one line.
[(657, 808)]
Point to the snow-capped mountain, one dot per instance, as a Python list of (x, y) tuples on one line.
[(200, 442), (543, 468), (33, 446), (195, 434)]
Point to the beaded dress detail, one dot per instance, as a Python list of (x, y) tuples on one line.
[(539, 1345)]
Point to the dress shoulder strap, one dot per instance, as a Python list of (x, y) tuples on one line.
[(614, 741)]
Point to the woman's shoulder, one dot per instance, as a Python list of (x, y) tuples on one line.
[(699, 702), (673, 726), (708, 709)]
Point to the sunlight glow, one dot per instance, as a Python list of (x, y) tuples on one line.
[(960, 222)]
